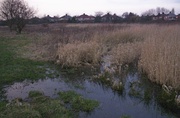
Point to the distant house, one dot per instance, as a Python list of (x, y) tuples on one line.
[(160, 16), (66, 18), (132, 18), (146, 18), (171, 16), (154, 18), (34, 20), (85, 18), (49, 19), (56, 19), (151, 17), (110, 18), (107, 18), (178, 17), (116, 18), (166, 17)]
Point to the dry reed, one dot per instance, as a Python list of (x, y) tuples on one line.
[(125, 53), (79, 53), (156, 47), (160, 57)]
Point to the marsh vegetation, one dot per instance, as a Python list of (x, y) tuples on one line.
[(108, 50), (40, 106), (154, 47)]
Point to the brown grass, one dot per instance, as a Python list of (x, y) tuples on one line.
[(160, 57), (156, 47), (125, 53), (79, 53)]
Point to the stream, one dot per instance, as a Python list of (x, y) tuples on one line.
[(137, 100)]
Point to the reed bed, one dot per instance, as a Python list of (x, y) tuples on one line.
[(156, 48), (125, 53), (160, 56), (77, 54)]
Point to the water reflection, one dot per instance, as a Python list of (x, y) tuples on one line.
[(137, 100)]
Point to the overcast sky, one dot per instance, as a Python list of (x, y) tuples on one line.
[(77, 7)]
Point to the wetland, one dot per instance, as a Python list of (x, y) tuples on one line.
[(89, 71)]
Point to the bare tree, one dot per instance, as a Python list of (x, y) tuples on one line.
[(16, 13), (162, 10), (156, 11), (149, 12)]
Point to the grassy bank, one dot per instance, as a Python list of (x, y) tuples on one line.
[(40, 106), (15, 68), (21, 58)]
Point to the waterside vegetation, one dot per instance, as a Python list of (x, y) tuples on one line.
[(153, 48), (14, 68), (41, 106)]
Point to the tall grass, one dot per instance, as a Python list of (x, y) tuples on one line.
[(98, 42), (125, 53), (79, 53), (160, 57), (42, 46), (155, 47)]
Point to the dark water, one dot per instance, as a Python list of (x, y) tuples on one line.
[(112, 103)]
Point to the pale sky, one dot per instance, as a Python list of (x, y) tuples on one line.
[(78, 7)]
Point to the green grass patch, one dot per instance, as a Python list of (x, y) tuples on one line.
[(2, 105), (40, 106), (77, 102), (49, 108), (35, 94), (167, 100), (105, 78), (14, 68)]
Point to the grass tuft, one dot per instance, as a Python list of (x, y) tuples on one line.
[(77, 102), (78, 54), (40, 106)]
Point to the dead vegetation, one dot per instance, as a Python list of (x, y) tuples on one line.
[(160, 57), (79, 53), (155, 47)]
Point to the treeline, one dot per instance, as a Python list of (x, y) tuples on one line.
[(23, 14)]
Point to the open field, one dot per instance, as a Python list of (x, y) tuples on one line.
[(155, 47)]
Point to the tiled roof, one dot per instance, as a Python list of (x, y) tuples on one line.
[(66, 16), (83, 16)]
